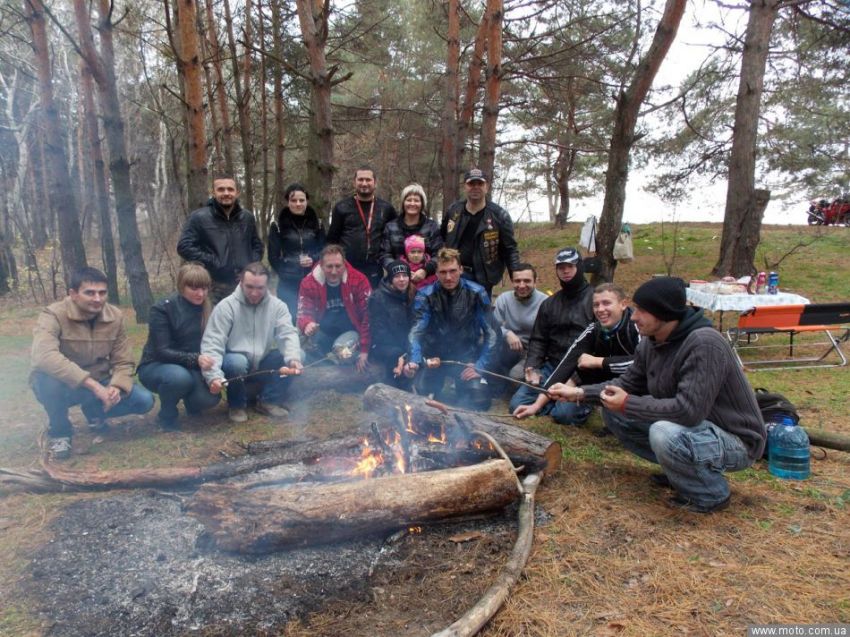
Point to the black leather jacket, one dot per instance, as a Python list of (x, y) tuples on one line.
[(495, 244), (390, 319), (223, 245), (396, 231), (348, 230), (559, 321), (290, 236), (174, 333)]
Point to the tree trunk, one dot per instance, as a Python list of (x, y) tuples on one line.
[(189, 66), (264, 520), (242, 83), (279, 120), (449, 155), (742, 218), (313, 19), (215, 58), (60, 195), (101, 189), (473, 81), (623, 137), (102, 67), (490, 112), (263, 212)]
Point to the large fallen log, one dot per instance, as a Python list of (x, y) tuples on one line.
[(328, 377), (244, 520), (386, 401)]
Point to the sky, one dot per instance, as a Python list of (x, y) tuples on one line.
[(708, 200)]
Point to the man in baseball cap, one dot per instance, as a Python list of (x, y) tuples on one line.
[(481, 231), (685, 403), (560, 320)]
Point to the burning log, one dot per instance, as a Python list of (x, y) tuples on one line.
[(245, 520), (516, 441)]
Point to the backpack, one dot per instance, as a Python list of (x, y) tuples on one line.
[(773, 404)]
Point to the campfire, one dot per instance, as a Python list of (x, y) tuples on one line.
[(415, 464)]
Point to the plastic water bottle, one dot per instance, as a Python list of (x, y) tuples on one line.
[(788, 450)]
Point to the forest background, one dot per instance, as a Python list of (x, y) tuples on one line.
[(115, 116)]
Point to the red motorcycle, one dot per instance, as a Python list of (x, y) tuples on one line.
[(823, 213)]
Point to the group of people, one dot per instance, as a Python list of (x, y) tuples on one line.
[(405, 293)]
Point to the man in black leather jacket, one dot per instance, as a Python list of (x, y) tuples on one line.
[(222, 236), (483, 233), (357, 224)]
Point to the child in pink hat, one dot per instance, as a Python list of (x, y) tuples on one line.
[(416, 257)]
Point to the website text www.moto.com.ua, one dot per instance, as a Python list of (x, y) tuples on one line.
[(799, 630)]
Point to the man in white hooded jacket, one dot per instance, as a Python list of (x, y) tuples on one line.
[(251, 331)]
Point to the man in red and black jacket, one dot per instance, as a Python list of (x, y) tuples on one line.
[(332, 300)]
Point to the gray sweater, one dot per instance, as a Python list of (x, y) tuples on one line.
[(691, 377), (517, 316), (253, 330)]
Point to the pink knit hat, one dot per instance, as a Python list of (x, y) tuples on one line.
[(414, 241)]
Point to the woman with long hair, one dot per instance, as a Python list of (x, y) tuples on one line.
[(414, 220), (172, 362), (296, 238)]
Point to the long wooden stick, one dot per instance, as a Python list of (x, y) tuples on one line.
[(489, 373)]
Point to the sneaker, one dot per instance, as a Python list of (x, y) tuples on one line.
[(59, 448), (237, 414), (98, 426), (271, 410), (679, 501)]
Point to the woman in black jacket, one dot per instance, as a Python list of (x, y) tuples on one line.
[(390, 319), (412, 220), (171, 360), (295, 240)]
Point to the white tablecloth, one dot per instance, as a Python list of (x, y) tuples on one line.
[(741, 302)]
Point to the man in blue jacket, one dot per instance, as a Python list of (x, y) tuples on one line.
[(452, 320)]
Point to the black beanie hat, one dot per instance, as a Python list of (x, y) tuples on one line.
[(663, 297), (396, 267)]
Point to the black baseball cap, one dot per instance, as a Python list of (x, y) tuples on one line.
[(474, 174)]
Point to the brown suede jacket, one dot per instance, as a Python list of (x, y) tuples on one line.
[(67, 346)]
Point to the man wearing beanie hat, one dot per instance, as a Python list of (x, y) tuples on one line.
[(560, 320), (390, 319), (685, 402)]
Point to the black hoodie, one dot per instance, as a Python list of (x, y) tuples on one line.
[(560, 320)]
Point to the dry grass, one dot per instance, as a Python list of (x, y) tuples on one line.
[(614, 559)]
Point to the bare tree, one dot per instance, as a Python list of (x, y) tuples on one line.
[(629, 101), (490, 115)]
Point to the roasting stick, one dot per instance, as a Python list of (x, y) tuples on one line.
[(507, 378), (267, 372)]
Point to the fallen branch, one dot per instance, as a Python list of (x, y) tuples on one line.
[(476, 617)]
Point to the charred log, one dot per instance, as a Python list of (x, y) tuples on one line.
[(256, 521), (516, 441)]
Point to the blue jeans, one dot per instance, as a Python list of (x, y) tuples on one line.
[(57, 398), (470, 394), (174, 383), (562, 412), (273, 389), (693, 458)]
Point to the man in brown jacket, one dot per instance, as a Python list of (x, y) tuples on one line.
[(81, 356)]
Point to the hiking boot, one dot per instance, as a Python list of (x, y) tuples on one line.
[(98, 426), (237, 414), (679, 501), (59, 448), (271, 410), (660, 480)]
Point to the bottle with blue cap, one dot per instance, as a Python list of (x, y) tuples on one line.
[(788, 455)]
